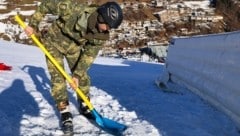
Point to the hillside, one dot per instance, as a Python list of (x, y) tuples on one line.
[(230, 9), (184, 26)]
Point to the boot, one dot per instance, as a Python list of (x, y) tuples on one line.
[(84, 110), (67, 125), (66, 118)]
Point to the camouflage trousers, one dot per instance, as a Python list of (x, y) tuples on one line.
[(78, 57)]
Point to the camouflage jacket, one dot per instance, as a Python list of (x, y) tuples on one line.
[(73, 19)]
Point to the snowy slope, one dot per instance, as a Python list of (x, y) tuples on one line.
[(121, 90)]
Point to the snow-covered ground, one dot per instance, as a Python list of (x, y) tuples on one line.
[(121, 90)]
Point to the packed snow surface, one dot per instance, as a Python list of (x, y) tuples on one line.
[(121, 90)]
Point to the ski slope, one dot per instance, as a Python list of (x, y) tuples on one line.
[(121, 90)]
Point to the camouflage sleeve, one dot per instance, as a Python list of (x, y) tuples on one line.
[(96, 42), (47, 6), (97, 38), (81, 38)]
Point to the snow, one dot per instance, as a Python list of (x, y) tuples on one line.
[(121, 90), (204, 4), (14, 12)]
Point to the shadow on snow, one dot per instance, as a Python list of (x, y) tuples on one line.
[(15, 102)]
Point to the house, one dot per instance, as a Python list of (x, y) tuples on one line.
[(167, 15)]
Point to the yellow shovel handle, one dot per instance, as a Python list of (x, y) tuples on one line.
[(68, 78)]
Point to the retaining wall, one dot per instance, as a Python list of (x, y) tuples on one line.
[(209, 66)]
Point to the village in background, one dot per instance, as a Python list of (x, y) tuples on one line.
[(144, 34)]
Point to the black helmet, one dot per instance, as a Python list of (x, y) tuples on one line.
[(111, 13)]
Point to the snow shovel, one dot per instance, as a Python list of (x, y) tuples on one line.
[(104, 123)]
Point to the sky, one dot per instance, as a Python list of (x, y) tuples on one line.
[(121, 90)]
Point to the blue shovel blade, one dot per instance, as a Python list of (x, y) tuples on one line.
[(108, 125)]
